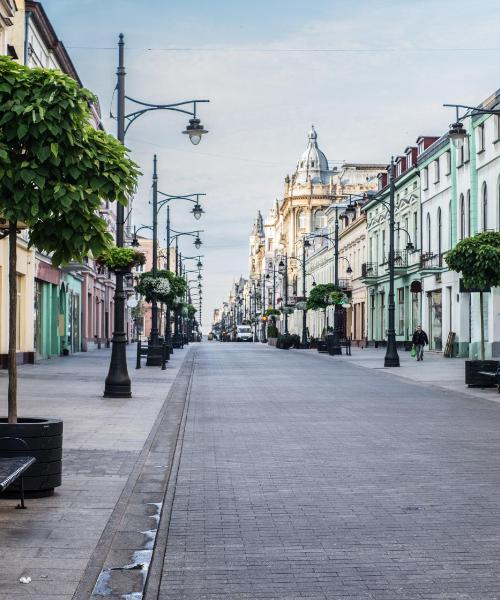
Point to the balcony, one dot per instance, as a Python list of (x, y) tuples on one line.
[(345, 284), (400, 259), (369, 270), (431, 263)]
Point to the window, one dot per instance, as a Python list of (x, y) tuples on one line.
[(436, 170), (302, 220), (480, 138), (401, 311), (450, 228), (319, 220), (467, 209), (484, 197), (447, 162), (428, 223), (439, 231), (462, 217), (425, 178)]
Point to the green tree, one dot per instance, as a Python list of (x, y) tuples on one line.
[(322, 296), (477, 258), (55, 170)]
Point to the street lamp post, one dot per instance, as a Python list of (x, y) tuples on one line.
[(155, 354), (391, 356), (177, 342), (117, 383), (337, 312), (283, 270), (155, 351), (305, 244)]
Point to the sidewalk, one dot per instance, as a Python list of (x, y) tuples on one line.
[(435, 369), (53, 540)]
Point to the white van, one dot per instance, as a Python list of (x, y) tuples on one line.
[(244, 333)]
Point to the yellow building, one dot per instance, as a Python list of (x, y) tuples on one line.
[(12, 36)]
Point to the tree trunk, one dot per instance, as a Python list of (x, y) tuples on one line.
[(11, 361), (481, 324)]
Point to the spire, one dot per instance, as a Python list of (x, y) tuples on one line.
[(258, 226)]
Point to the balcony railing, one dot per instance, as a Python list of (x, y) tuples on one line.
[(400, 259), (429, 260), (369, 269)]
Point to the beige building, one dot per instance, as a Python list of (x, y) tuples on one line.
[(307, 210), (12, 35)]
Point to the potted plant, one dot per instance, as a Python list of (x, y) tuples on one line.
[(477, 258), (321, 297), (272, 334), (120, 260), (56, 170)]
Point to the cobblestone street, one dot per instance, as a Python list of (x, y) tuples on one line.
[(309, 478)]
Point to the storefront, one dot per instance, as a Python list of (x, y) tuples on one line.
[(435, 319)]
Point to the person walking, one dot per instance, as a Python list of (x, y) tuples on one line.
[(420, 340)]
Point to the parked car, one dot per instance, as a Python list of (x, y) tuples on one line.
[(244, 333)]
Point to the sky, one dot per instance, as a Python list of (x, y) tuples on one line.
[(371, 75)]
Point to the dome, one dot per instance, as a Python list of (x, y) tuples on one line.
[(313, 164)]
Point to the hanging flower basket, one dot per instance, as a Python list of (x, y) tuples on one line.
[(154, 288), (120, 259)]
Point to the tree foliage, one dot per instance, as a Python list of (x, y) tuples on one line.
[(478, 259), (324, 295), (55, 168), (191, 311)]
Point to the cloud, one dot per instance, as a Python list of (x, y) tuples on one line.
[(365, 104)]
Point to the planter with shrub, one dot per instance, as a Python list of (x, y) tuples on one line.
[(120, 260), (56, 172), (477, 258)]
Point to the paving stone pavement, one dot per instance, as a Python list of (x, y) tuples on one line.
[(53, 540), (309, 478)]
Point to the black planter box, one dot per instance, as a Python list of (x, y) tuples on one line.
[(41, 438), (322, 346), (473, 377)]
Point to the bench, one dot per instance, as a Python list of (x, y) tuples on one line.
[(13, 468), (495, 375)]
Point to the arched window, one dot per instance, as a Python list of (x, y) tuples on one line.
[(462, 217), (302, 220), (439, 232), (319, 219), (429, 238), (467, 209), (484, 196)]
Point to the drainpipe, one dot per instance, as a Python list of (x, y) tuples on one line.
[(27, 19)]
